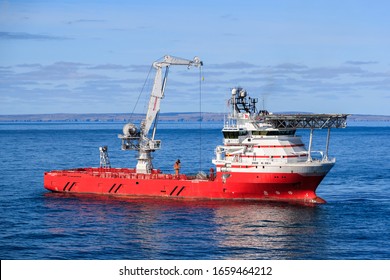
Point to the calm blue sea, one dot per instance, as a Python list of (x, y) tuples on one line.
[(37, 224)]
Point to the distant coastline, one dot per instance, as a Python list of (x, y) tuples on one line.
[(168, 117)]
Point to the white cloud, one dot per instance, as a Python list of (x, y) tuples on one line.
[(29, 36), (88, 88)]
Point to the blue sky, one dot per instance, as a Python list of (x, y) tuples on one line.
[(94, 56)]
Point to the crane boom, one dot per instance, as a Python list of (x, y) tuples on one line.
[(159, 87), (138, 139)]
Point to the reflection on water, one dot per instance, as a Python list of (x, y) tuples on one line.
[(267, 230), (142, 228)]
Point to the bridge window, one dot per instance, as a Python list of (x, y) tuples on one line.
[(273, 132), (230, 134)]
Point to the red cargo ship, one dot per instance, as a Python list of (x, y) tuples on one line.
[(260, 158)]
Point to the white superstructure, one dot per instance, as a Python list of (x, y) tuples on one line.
[(257, 141)]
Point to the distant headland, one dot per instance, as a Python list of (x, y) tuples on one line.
[(168, 117)]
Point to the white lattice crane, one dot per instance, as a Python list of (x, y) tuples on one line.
[(134, 138)]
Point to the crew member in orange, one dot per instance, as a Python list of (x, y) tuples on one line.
[(211, 174), (176, 166)]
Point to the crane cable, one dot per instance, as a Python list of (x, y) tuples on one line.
[(140, 93), (142, 90), (200, 117)]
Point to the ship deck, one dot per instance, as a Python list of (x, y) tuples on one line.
[(125, 173)]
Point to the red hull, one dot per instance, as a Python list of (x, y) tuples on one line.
[(123, 181)]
